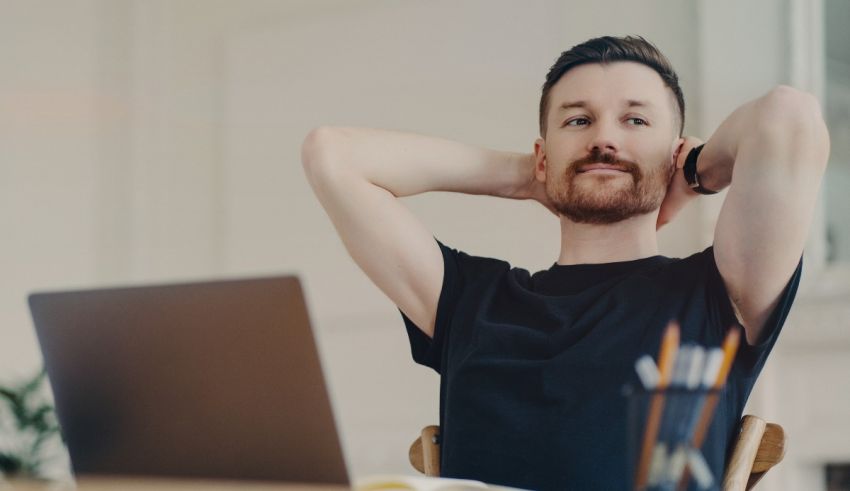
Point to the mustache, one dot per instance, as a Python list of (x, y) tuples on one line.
[(597, 157)]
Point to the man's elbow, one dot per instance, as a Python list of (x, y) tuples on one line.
[(792, 118), (316, 151), (792, 110)]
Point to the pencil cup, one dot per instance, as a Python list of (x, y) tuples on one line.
[(667, 448)]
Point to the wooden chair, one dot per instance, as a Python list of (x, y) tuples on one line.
[(759, 447)]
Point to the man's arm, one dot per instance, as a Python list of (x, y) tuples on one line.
[(772, 152), (358, 174)]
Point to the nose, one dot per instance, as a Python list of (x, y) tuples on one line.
[(603, 138)]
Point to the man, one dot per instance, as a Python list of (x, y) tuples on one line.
[(532, 366)]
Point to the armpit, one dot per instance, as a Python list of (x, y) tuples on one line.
[(737, 312)]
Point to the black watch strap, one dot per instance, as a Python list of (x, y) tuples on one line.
[(690, 171)]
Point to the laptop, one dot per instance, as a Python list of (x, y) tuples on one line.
[(218, 379)]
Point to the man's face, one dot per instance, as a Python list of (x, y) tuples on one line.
[(610, 143)]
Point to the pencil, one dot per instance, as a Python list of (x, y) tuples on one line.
[(669, 348), (730, 347)]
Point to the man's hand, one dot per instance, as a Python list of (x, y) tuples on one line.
[(679, 193), (530, 187)]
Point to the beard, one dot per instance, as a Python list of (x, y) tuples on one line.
[(603, 199)]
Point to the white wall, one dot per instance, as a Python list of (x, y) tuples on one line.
[(157, 140), (51, 108)]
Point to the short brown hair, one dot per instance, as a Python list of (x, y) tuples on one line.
[(608, 49)]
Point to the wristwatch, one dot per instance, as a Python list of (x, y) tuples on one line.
[(690, 171)]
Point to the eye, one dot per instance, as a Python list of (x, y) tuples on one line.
[(638, 121), (576, 121)]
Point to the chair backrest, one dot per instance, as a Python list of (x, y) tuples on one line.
[(424, 453), (758, 448)]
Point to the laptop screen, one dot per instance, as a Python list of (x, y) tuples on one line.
[(218, 379)]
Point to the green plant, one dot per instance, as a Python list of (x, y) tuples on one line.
[(30, 440)]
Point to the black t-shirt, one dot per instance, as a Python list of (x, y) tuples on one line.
[(533, 366)]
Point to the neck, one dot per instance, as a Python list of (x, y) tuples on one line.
[(582, 243)]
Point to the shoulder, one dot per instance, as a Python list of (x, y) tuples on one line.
[(696, 267), (470, 265)]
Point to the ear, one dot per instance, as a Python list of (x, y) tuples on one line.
[(677, 149), (540, 159)]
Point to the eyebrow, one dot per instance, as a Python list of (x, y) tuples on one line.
[(583, 104)]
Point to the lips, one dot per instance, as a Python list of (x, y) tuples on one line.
[(589, 167)]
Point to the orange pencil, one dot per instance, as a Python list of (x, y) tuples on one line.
[(669, 348), (730, 347)]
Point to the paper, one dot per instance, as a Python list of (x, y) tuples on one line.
[(421, 483)]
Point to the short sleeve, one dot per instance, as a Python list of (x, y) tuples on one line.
[(751, 358), (429, 351)]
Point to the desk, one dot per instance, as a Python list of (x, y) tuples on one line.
[(145, 484)]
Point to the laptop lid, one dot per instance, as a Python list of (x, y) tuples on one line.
[(219, 379)]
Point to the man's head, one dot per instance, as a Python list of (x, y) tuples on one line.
[(609, 49), (611, 117)]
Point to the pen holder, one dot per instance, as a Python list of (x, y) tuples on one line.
[(668, 440)]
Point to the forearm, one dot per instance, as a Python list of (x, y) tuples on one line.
[(717, 159), (406, 164), (784, 126)]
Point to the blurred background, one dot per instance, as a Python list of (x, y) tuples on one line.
[(159, 140)]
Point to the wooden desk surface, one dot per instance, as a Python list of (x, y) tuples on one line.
[(145, 484)]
